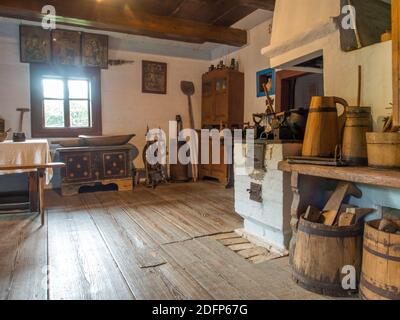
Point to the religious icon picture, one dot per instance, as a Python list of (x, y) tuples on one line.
[(35, 45), (266, 76), (95, 50), (66, 47), (154, 77)]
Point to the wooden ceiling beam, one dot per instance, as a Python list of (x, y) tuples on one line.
[(100, 16), (178, 8), (259, 4)]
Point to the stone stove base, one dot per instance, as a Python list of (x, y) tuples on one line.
[(268, 220)]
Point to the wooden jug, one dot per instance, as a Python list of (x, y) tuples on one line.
[(322, 132)]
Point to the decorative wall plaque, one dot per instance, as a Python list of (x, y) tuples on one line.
[(154, 77)]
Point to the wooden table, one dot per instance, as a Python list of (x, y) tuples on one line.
[(39, 187), (308, 193), (35, 151), (31, 157)]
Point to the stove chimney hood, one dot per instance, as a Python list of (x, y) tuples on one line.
[(301, 29)]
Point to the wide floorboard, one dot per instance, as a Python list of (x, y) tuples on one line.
[(145, 244)]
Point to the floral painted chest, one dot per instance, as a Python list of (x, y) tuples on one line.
[(96, 166)]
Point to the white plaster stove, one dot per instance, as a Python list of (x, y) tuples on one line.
[(267, 221)]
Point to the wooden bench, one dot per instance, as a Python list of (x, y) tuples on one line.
[(310, 190), (36, 183)]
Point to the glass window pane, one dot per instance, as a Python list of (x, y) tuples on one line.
[(54, 113), (79, 113), (53, 89), (78, 89)]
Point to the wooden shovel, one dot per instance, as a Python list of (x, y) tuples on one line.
[(21, 117), (189, 90)]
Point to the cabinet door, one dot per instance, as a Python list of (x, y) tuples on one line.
[(115, 165), (208, 102), (220, 170), (221, 112), (78, 167), (204, 169)]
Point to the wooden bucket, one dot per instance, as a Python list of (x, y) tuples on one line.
[(358, 123), (321, 253), (322, 130), (380, 278), (383, 150)]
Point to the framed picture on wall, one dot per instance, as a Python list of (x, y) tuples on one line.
[(35, 44), (263, 77), (154, 77), (66, 47), (95, 50)]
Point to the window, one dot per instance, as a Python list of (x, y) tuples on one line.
[(65, 101)]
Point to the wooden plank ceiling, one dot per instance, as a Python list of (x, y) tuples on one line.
[(216, 12), (194, 21)]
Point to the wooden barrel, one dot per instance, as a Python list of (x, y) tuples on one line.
[(322, 130), (380, 278), (383, 149), (322, 252), (358, 123)]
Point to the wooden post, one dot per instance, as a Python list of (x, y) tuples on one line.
[(307, 191), (41, 176), (396, 62), (295, 212), (33, 191)]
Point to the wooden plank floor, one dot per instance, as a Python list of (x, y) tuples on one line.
[(146, 244)]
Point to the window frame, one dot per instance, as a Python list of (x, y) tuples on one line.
[(39, 72)]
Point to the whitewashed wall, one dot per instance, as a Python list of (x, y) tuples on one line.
[(125, 109), (14, 78), (340, 68)]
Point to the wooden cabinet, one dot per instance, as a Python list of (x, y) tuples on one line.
[(223, 99), (88, 166), (217, 171), (222, 105)]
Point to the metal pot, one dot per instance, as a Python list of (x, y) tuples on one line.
[(296, 120), (19, 137)]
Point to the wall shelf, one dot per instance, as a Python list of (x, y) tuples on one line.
[(365, 175)]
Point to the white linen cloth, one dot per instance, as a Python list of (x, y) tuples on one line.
[(30, 152)]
